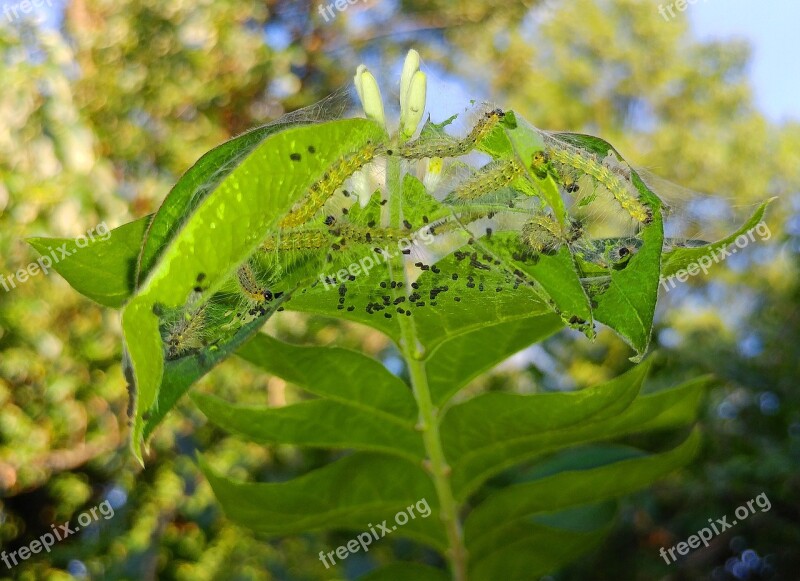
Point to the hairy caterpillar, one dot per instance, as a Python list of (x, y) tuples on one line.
[(610, 173), (423, 147), (298, 240), (254, 292), (492, 177), (323, 189), (317, 238), (186, 333), (543, 234)]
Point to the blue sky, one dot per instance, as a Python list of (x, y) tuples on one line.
[(773, 29)]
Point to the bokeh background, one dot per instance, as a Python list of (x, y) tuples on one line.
[(105, 103)]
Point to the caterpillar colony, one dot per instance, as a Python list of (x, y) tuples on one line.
[(304, 233)]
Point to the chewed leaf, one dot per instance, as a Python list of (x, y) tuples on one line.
[(224, 230), (214, 167), (179, 374), (626, 295)]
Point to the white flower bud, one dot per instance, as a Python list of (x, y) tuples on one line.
[(410, 66), (413, 106), (369, 94)]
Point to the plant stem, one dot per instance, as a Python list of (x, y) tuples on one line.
[(438, 467), (428, 424)]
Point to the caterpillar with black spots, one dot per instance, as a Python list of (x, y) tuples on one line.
[(186, 333), (323, 189), (609, 172), (423, 147), (490, 178)]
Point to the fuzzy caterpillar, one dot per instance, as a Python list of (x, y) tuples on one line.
[(188, 331), (325, 237), (323, 189), (299, 240), (186, 334), (251, 288), (365, 235), (491, 177), (421, 147), (542, 234), (611, 175)]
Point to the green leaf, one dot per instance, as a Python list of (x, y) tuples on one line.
[(528, 550), (457, 361), (495, 430), (331, 498), (560, 500), (193, 187), (568, 489), (525, 140), (472, 466), (103, 270), (337, 374), (317, 423), (224, 230), (415, 571), (680, 258), (628, 304), (557, 274), (213, 167)]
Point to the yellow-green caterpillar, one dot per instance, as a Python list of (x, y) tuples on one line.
[(611, 174), (342, 234), (422, 147), (186, 334), (491, 177), (322, 190), (250, 287), (542, 233)]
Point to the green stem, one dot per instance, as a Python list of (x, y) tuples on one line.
[(437, 463), (413, 353)]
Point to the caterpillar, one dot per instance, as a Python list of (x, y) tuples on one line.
[(315, 239), (256, 295), (610, 173), (186, 333), (492, 177), (365, 235), (322, 189), (543, 234), (299, 240), (426, 147)]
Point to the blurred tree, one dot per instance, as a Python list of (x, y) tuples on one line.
[(99, 119)]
